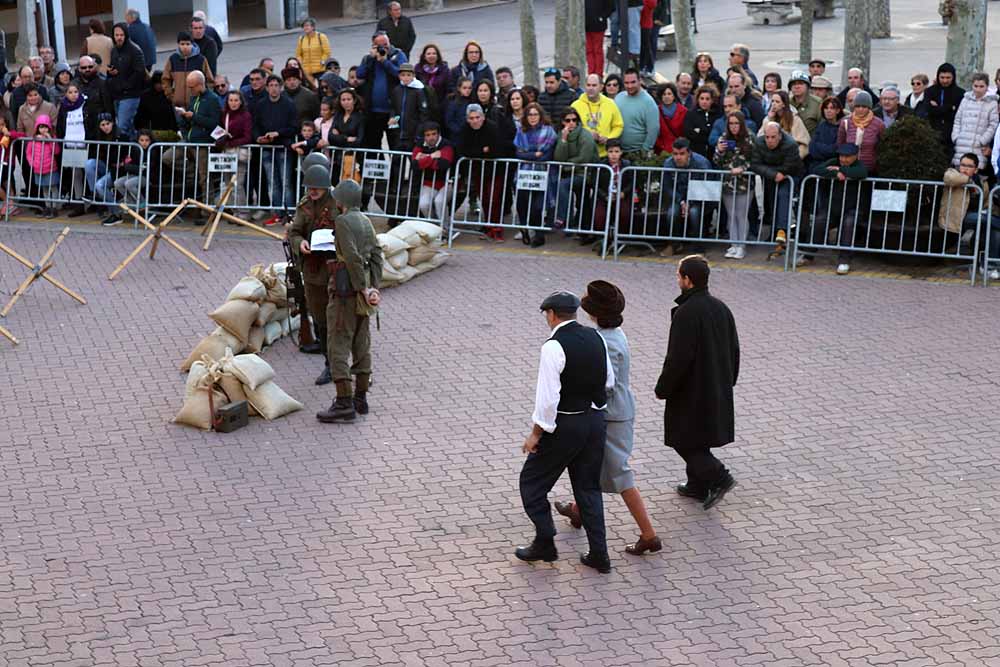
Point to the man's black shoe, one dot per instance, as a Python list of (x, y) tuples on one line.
[(324, 377), (537, 551), (716, 493), (361, 404), (688, 492), (312, 348), (602, 565), (537, 240)]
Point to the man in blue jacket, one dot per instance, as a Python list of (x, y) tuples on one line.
[(380, 72), (686, 217), (143, 37)]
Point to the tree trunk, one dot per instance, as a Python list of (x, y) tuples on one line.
[(562, 29), (529, 43), (881, 24), (680, 14), (576, 54), (966, 39), (806, 31), (857, 38), (26, 34)]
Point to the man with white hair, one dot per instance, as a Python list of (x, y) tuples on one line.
[(891, 110), (855, 79), (209, 30), (142, 36), (399, 29), (775, 158), (739, 56)]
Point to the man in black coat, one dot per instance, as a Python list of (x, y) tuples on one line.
[(207, 46), (95, 90), (399, 29), (702, 364), (556, 96), (943, 100), (126, 79)]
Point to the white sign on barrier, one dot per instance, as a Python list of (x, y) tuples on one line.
[(537, 181), (893, 201), (225, 163), (75, 157), (704, 190), (376, 169)]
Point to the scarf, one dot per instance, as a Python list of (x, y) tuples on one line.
[(66, 106), (862, 119), (541, 139), (668, 110)]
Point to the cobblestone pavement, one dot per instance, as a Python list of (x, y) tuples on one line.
[(863, 530)]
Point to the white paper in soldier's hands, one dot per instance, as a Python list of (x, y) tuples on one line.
[(322, 241)]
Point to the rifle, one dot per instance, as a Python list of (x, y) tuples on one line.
[(297, 295)]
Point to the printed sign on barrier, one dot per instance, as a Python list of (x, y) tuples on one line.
[(225, 163), (376, 169), (893, 201), (537, 181), (704, 190)]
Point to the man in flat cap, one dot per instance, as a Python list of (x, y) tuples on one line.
[(574, 377)]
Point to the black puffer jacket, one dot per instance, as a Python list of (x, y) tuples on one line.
[(555, 104), (130, 65)]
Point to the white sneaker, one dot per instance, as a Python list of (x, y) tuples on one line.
[(843, 269), (739, 252), (801, 259), (518, 236), (730, 252)]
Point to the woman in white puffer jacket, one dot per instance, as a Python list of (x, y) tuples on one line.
[(976, 122)]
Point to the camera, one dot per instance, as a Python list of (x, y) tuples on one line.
[(382, 50)]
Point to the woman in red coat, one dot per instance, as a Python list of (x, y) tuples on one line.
[(238, 124), (671, 118)]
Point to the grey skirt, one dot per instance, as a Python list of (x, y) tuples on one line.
[(616, 476)]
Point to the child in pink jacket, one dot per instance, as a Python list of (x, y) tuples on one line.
[(41, 156)]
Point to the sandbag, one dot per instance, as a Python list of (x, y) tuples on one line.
[(295, 323), (272, 332), (391, 245), (279, 269), (281, 314), (231, 341), (250, 369), (248, 289), (416, 232), (237, 317), (195, 378), (286, 327), (278, 294), (255, 343), (421, 254), (266, 313), (409, 272), (271, 402), (399, 260), (213, 346), (196, 410), (437, 260)]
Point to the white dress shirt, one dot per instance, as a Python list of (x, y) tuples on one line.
[(916, 99), (550, 367)]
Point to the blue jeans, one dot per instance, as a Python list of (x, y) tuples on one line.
[(777, 199), (690, 228), (634, 31), (614, 25), (275, 172), (567, 186), (99, 180), (125, 113)]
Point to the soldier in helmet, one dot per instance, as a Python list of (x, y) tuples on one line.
[(316, 210), (354, 280)]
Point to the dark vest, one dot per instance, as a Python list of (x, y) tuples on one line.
[(582, 380)]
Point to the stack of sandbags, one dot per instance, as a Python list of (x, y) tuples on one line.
[(229, 379), (409, 249), (255, 315)]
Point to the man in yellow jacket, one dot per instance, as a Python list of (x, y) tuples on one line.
[(599, 114), (312, 50)]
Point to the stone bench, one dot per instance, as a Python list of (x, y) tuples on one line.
[(776, 12)]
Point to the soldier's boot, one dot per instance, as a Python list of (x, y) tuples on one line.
[(324, 377), (342, 409), (361, 394)]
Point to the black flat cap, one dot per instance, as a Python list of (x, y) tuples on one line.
[(561, 302)]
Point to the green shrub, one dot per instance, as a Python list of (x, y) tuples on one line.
[(912, 150)]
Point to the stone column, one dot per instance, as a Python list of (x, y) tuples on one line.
[(274, 14), (27, 37), (217, 13)]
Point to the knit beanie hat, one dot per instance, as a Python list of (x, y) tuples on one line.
[(863, 99)]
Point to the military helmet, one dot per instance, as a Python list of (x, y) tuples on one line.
[(315, 158), (348, 193), (316, 176)]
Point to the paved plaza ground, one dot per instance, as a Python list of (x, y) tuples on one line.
[(863, 530)]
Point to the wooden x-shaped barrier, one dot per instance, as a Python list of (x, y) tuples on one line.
[(39, 270), (155, 238), (7, 334), (219, 213)]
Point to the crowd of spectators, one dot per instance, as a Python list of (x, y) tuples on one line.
[(706, 117)]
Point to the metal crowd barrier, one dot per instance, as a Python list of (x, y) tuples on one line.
[(887, 216), (991, 230), (267, 177), (657, 205), (545, 196), (395, 183), (55, 172)]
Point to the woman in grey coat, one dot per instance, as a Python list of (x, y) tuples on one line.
[(605, 303)]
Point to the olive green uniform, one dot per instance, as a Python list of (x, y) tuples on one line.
[(309, 216), (358, 267)]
